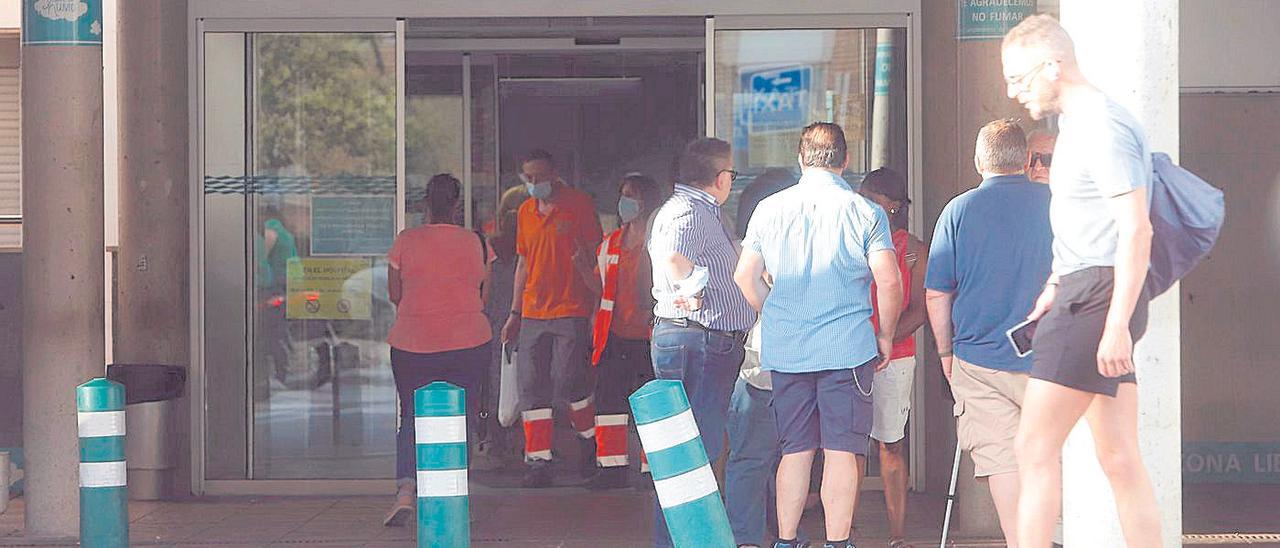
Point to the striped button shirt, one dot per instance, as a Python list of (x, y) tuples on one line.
[(689, 224), (815, 238)]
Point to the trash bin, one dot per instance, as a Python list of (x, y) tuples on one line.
[(150, 391)]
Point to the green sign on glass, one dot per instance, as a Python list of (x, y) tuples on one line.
[(62, 22), (990, 19)]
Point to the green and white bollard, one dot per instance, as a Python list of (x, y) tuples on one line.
[(682, 476), (440, 431), (104, 499)]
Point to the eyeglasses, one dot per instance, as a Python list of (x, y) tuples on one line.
[(1045, 159), (733, 175), (1019, 83)]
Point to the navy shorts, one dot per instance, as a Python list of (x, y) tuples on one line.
[(824, 409)]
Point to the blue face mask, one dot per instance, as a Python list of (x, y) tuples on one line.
[(628, 209), (540, 191)]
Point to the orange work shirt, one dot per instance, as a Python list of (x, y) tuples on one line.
[(633, 309), (554, 288)]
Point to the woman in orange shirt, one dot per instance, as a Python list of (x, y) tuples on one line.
[(622, 325), (436, 279)]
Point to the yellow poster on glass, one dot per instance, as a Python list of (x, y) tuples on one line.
[(330, 289)]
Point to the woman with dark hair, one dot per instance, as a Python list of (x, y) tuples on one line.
[(891, 401), (622, 326), (436, 278)]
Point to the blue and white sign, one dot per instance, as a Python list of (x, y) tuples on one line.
[(777, 99), (1231, 462), (62, 22), (352, 225)]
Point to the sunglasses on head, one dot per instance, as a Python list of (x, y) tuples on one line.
[(1043, 158)]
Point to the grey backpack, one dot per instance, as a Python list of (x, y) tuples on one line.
[(1186, 217)]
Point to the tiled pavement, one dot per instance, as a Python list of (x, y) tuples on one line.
[(566, 518)]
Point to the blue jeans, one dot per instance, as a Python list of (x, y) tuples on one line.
[(753, 463), (707, 363)]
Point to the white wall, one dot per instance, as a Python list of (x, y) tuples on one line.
[(1229, 44)]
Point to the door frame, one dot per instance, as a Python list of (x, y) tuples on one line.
[(915, 166), (197, 29), (251, 16)]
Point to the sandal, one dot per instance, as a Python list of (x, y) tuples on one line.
[(899, 543)]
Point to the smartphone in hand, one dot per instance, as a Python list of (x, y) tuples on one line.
[(1020, 336)]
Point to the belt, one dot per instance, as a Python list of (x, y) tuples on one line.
[(739, 335)]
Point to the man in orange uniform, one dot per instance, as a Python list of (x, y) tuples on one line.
[(553, 298)]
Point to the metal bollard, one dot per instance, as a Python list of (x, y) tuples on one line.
[(682, 476), (104, 499), (440, 431)]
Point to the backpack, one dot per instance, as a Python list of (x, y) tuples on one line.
[(1186, 217)]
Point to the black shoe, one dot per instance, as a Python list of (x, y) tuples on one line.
[(537, 475), (845, 544), (610, 478), (791, 544)]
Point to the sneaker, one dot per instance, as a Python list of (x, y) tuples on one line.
[(609, 478), (537, 475), (845, 544), (402, 510), (792, 544)]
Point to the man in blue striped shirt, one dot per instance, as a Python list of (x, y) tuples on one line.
[(822, 244), (702, 317)]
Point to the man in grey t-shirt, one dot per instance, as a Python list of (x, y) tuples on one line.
[(1092, 308)]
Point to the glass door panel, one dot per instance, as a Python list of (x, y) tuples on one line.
[(322, 215), (769, 83)]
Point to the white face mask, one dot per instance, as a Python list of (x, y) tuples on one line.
[(628, 209)]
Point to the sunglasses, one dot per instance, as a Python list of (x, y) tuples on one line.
[(1043, 158)]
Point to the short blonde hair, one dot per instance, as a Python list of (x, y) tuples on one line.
[(1001, 147), (1044, 33)]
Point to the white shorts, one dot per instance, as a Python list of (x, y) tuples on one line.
[(891, 400)]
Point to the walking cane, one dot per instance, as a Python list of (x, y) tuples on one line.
[(951, 497)]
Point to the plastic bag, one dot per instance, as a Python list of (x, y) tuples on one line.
[(508, 390)]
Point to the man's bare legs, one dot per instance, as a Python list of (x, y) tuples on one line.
[(893, 470), (1004, 492), (1049, 411), (840, 481), (1114, 422), (792, 490)]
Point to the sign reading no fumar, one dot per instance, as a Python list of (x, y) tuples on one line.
[(991, 19), (62, 22)]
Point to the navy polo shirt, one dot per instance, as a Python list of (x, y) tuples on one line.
[(993, 250)]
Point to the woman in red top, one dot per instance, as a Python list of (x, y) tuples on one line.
[(891, 401), (620, 338), (436, 278)]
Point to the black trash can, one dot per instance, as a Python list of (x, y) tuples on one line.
[(150, 391)]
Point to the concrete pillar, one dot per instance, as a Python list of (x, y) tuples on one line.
[(62, 271), (1144, 78), (152, 295)]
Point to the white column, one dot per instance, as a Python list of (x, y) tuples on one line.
[(1130, 50)]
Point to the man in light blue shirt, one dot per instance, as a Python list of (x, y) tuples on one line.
[(822, 244)]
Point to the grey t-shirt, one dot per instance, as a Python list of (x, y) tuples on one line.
[(1101, 153)]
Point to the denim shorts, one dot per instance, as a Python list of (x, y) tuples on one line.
[(824, 409)]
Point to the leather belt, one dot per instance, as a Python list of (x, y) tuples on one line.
[(739, 335)]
